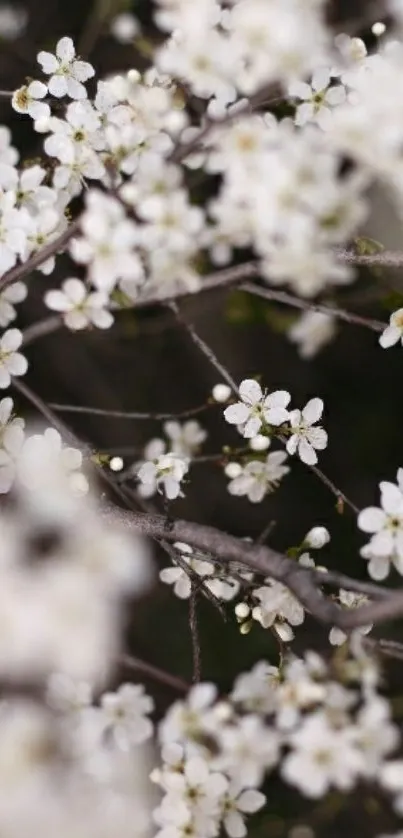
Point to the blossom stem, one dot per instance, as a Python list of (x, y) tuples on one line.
[(122, 414), (297, 302), (194, 633), (154, 672), (302, 582), (204, 348)]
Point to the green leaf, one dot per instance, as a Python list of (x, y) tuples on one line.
[(366, 246)]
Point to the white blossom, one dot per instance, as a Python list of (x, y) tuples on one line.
[(394, 332), (385, 525), (185, 439), (318, 98), (67, 74), (256, 408), (322, 757), (165, 474), (11, 361), (317, 537), (307, 437), (311, 332), (258, 477), (28, 99), (125, 715), (11, 295), (277, 607), (256, 691), (78, 307), (11, 439)]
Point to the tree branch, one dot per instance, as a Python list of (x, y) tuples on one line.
[(38, 258), (122, 414), (305, 305), (302, 582)]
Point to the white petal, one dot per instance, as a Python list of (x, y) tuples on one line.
[(378, 568), (313, 411), (251, 800), (48, 62), (292, 444), (300, 90), (11, 340), (371, 519), (65, 50), (390, 336), (320, 79), (75, 290), (17, 364), (58, 86), (391, 498), (252, 427), (236, 414), (250, 391), (317, 437), (234, 825), (276, 415), (306, 453), (57, 301)]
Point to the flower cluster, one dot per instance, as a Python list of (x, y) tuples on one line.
[(257, 410), (385, 525)]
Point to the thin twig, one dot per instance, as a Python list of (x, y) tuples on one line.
[(305, 305), (41, 329), (267, 95), (333, 578), (204, 348), (339, 495), (154, 672), (121, 414), (388, 648), (268, 529), (194, 633)]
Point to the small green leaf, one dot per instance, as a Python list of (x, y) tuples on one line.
[(366, 246)]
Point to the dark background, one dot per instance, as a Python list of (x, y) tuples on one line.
[(147, 363)]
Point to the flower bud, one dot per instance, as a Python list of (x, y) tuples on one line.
[(242, 610), (221, 392), (259, 442), (233, 470), (317, 537)]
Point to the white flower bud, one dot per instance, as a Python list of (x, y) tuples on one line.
[(242, 610), (337, 636), (284, 632), (221, 392), (317, 537), (378, 28), (116, 464), (233, 470), (259, 442)]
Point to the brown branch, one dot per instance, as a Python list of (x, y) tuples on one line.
[(383, 258), (194, 633), (37, 259), (204, 348), (154, 672), (305, 305), (41, 329), (121, 414), (302, 582)]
